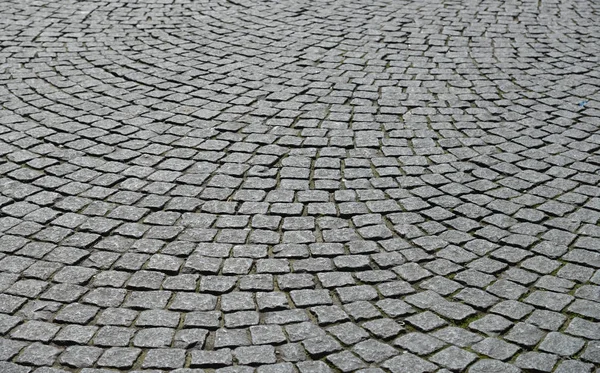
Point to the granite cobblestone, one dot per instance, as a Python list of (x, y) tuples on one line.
[(299, 186)]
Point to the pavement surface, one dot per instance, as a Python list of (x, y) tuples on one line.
[(299, 186)]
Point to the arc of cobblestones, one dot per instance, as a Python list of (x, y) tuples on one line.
[(293, 186)]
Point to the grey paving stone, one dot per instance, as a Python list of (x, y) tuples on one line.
[(491, 324), (374, 351), (164, 358), (547, 319), (395, 307), (35, 331), (298, 171), (10, 348), (218, 358), (321, 346), (592, 352), (272, 301), (457, 336), (525, 334), (313, 367), (241, 319), (370, 370), (383, 328), (409, 363), (329, 314), (495, 348), (193, 302), (550, 300), (512, 309), (346, 361), (255, 355), (453, 310), (477, 298), (303, 298), (153, 337), (560, 344), (113, 336), (237, 301), (105, 297), (419, 343), (50, 370), (488, 365), (119, 357), (574, 366), (189, 338), (7, 322), (13, 368), (585, 308), (267, 334), (116, 316), (292, 352), (453, 358), (80, 356), (536, 361), (361, 310), (76, 313), (583, 328), (147, 299), (231, 338), (38, 354), (426, 321), (441, 285), (286, 316), (77, 334)]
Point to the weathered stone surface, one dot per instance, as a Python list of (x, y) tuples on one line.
[(299, 186)]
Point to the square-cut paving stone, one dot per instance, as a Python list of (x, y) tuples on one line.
[(348, 333), (488, 365), (409, 363), (560, 344), (80, 356), (536, 361), (119, 357), (491, 324), (38, 354), (154, 337), (267, 334), (303, 298), (383, 328), (457, 336), (574, 366), (313, 367), (592, 352), (495, 348), (171, 358), (426, 321), (453, 358), (77, 334), (35, 331), (525, 334), (583, 328), (374, 351), (419, 343), (321, 346), (255, 355), (346, 361), (218, 358), (266, 184)]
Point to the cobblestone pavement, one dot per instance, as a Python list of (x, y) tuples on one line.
[(299, 186)]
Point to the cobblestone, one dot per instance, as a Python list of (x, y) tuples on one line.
[(294, 186)]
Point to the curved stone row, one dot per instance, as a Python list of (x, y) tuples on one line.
[(299, 186)]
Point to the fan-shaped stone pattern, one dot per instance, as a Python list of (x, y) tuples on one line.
[(299, 186)]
